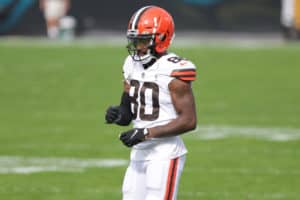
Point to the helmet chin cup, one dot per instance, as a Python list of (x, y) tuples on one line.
[(145, 59)]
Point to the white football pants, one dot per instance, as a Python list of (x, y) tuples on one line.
[(153, 180)]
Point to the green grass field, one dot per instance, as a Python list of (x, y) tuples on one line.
[(53, 139)]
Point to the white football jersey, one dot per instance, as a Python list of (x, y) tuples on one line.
[(151, 102)]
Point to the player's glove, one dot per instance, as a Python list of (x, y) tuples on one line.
[(133, 136), (112, 114)]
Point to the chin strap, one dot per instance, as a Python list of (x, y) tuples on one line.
[(151, 62)]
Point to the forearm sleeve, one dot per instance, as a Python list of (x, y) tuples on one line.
[(125, 111)]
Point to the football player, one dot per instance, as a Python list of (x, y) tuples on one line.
[(54, 10), (158, 99), (290, 18)]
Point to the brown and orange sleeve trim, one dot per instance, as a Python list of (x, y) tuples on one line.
[(184, 74)]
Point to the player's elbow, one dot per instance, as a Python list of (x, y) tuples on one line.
[(190, 123), (193, 124)]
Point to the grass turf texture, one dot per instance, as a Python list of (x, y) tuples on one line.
[(53, 100)]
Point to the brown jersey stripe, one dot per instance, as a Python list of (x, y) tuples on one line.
[(184, 76), (183, 70)]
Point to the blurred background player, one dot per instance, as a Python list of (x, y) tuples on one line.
[(54, 10), (158, 98), (290, 18)]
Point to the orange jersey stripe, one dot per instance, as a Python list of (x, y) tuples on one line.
[(187, 78), (183, 73), (172, 175)]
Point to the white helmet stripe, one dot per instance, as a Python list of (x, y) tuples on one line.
[(137, 16), (155, 25)]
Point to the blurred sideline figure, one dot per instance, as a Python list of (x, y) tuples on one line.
[(54, 10), (158, 99), (290, 18)]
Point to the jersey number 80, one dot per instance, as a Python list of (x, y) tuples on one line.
[(140, 91)]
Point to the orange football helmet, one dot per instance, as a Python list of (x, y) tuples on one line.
[(153, 27)]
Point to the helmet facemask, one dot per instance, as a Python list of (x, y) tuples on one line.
[(141, 47)]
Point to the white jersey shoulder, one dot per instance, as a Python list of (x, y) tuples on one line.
[(177, 67), (169, 65)]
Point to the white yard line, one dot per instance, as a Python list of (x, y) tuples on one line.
[(234, 194), (273, 171), (27, 165), (213, 132)]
